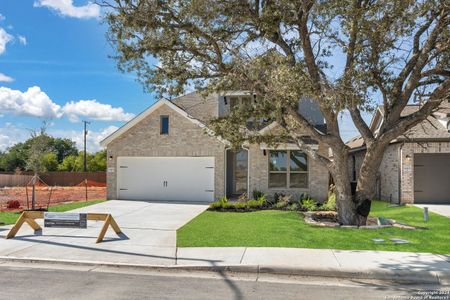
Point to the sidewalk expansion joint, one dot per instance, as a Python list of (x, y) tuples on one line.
[(242, 257), (335, 257)]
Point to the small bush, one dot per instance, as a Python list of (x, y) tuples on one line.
[(221, 203), (331, 202), (13, 204), (239, 205), (229, 205), (308, 204), (258, 203), (293, 207), (258, 194), (243, 198), (283, 201)]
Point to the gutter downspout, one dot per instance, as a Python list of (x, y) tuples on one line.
[(400, 153), (226, 170), (248, 169)]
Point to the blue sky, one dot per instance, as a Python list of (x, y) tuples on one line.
[(64, 59), (54, 65)]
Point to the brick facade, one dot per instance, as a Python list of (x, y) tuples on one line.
[(185, 139), (396, 172), (318, 177), (188, 139)]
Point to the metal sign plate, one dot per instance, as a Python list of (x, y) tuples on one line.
[(65, 220)]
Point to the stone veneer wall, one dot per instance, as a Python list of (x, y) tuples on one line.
[(185, 139), (407, 173), (259, 176)]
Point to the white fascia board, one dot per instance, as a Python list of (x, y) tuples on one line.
[(373, 119), (236, 93), (268, 127), (148, 112)]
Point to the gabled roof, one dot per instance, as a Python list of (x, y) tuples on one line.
[(148, 112), (428, 130)]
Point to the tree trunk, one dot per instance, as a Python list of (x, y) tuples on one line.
[(345, 205), (367, 178), (344, 201)]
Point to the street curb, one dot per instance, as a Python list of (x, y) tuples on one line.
[(398, 276)]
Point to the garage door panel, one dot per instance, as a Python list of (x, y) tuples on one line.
[(432, 178), (166, 178)]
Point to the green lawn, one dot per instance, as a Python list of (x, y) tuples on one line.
[(272, 228), (11, 217)]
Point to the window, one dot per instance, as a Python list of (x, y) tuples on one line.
[(288, 169), (164, 127), (236, 101)]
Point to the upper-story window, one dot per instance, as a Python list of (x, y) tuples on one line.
[(164, 125), (236, 101)]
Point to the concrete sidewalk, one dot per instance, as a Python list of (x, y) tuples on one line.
[(383, 265), (440, 209), (406, 267)]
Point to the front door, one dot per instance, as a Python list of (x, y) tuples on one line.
[(237, 173)]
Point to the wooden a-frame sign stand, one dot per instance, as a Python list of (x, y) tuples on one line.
[(30, 216)]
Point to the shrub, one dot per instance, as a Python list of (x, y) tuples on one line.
[(13, 204), (331, 202), (283, 201), (239, 205), (258, 203), (308, 204), (258, 194), (221, 203), (229, 205), (243, 198), (293, 207)]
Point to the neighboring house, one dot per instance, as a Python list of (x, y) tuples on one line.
[(416, 165), (168, 153)]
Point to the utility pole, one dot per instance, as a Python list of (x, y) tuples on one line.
[(85, 134)]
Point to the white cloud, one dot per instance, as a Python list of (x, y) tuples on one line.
[(11, 135), (66, 8), (5, 78), (32, 102), (5, 38), (36, 103), (22, 40), (93, 138), (94, 110)]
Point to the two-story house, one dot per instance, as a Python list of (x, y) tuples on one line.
[(167, 153)]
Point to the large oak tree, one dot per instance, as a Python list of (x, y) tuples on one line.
[(347, 55)]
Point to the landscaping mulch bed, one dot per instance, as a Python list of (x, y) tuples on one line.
[(330, 219)]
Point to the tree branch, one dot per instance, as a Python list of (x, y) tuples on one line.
[(362, 127)]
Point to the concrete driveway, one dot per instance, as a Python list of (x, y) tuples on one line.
[(149, 230), (441, 209)]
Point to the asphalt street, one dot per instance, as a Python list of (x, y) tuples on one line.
[(31, 281)]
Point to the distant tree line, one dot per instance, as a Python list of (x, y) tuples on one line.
[(59, 154)]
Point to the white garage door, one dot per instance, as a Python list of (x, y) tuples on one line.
[(166, 178)]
